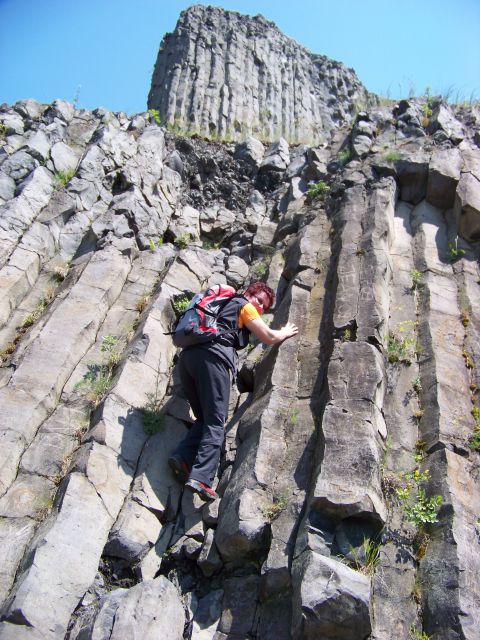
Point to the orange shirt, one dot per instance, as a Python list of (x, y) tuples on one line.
[(247, 313)]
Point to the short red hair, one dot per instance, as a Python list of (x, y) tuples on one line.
[(261, 287)]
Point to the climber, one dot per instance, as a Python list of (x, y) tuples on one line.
[(205, 371)]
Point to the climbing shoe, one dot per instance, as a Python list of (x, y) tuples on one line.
[(204, 491), (180, 468)]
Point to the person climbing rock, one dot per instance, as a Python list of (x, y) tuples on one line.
[(205, 373)]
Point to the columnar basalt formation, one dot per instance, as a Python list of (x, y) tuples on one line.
[(371, 242), (349, 483), (224, 74)]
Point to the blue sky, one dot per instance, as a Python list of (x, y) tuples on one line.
[(101, 52)]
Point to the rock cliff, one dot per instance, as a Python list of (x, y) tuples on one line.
[(225, 74), (349, 480)]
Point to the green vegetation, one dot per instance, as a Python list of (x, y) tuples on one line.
[(417, 385), (416, 634), (292, 416), (183, 240), (153, 245), (155, 115), (454, 253), (209, 245), (474, 441), (153, 419), (45, 300), (8, 350), (344, 157), (99, 377), (260, 269), (273, 510), (366, 560), (392, 156), (3, 131), (63, 177), (418, 508), (401, 348), (347, 335), (318, 190), (417, 279), (180, 304)]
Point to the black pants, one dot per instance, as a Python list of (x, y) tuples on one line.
[(206, 381)]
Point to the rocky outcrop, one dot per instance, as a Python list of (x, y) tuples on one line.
[(226, 75), (371, 242)]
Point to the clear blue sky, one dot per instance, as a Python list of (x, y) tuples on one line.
[(103, 51)]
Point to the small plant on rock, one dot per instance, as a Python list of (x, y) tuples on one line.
[(416, 634), (60, 272), (153, 419), (63, 177), (418, 508), (99, 377), (417, 384), (402, 343), (260, 269), (142, 303), (155, 115), (3, 131), (344, 157), (318, 190), (180, 304), (474, 441), (417, 279), (392, 156), (183, 240), (273, 510), (454, 253), (366, 560)]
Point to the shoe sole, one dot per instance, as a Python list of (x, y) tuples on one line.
[(176, 466), (204, 495)]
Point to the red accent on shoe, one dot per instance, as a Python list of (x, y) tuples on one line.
[(180, 468), (204, 491)]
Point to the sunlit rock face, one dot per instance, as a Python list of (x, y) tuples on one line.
[(107, 223), (224, 74)]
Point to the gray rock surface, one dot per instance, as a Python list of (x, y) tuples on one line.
[(230, 75), (380, 273)]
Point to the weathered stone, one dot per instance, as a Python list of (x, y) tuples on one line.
[(7, 187), (467, 207), (250, 150), (443, 176), (209, 561), (134, 533), (239, 606), (252, 90), (52, 583), (13, 123), (149, 610), (207, 615), (98, 624), (20, 530), (332, 600), (444, 120), (64, 158), (38, 146), (19, 165), (237, 271), (277, 156)]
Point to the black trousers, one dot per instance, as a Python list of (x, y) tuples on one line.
[(206, 382)]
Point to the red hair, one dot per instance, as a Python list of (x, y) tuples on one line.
[(261, 287)]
